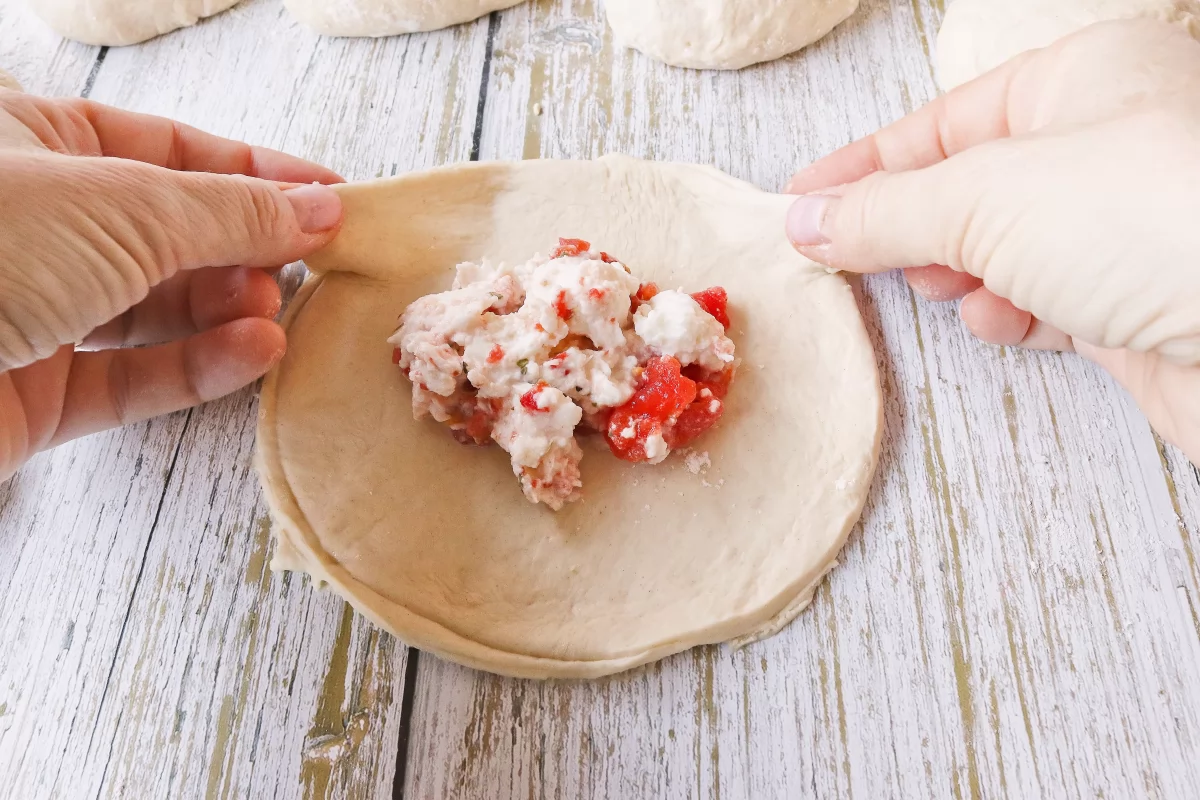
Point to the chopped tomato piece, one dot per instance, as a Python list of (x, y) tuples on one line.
[(715, 302), (716, 382), (661, 397), (570, 247), (607, 259), (705, 410), (529, 399), (473, 420), (645, 294), (496, 355), (695, 420), (560, 306), (596, 294)]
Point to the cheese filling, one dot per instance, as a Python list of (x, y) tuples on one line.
[(529, 356)]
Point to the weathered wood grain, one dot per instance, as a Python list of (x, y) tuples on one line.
[(44, 63), (1018, 615), (152, 653), (1006, 622)]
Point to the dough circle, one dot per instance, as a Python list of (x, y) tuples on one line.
[(723, 34), (388, 17), (115, 23), (434, 541), (978, 35)]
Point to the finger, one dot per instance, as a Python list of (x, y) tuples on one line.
[(940, 283), (190, 302), (897, 220), (997, 321), (163, 221), (39, 389), (1163, 390), (166, 143), (1044, 336), (993, 319), (86, 128), (974, 113), (119, 387)]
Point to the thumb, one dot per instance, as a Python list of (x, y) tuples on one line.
[(168, 221), (892, 220)]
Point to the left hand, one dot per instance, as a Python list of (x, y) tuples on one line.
[(122, 229)]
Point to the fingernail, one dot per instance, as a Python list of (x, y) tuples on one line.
[(318, 208), (806, 217)]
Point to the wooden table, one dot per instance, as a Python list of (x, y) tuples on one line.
[(1017, 615)]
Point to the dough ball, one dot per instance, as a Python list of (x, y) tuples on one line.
[(979, 35), (8, 81), (121, 22), (388, 17), (723, 34)]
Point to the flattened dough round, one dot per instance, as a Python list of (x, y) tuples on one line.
[(723, 34), (121, 22), (978, 35), (388, 17), (435, 542)]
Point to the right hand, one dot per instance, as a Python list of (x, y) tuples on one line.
[(1062, 194)]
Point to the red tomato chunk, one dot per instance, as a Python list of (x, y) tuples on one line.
[(571, 247), (472, 421), (715, 302), (561, 308), (661, 397), (529, 399)]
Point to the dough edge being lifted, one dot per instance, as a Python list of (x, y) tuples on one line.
[(530, 615)]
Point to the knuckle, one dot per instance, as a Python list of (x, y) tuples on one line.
[(264, 218)]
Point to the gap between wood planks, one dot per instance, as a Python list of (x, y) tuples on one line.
[(408, 696), (411, 669), (85, 93)]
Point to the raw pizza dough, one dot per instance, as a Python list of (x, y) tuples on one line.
[(723, 34), (388, 17), (979, 35), (431, 539), (8, 81), (121, 22)]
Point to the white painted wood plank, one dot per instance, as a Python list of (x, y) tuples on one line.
[(71, 528), (39, 59), (1004, 622), (191, 670), (1183, 480)]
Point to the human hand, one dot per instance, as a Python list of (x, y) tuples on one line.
[(123, 229), (1057, 196)]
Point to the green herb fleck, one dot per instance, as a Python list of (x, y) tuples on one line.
[(524, 362), (496, 295)]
